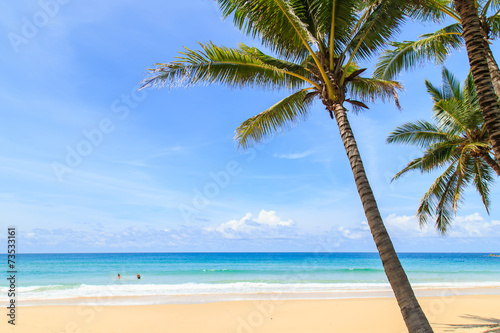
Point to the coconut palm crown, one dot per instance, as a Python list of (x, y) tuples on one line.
[(311, 64), (438, 45), (317, 44), (457, 142), (477, 23)]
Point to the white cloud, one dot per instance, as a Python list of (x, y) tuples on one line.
[(265, 231), (355, 232), (246, 234), (266, 222), (270, 219), (408, 226), (399, 226), (352, 234), (474, 225), (294, 156)]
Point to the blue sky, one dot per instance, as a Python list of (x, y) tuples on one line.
[(158, 170)]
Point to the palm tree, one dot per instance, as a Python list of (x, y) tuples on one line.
[(438, 45), (457, 142), (318, 43), (476, 30), (488, 101)]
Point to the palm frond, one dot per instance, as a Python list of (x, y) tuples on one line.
[(278, 117), (369, 89), (483, 8), (410, 54), (470, 94), (223, 65), (451, 86), (357, 106), (447, 113), (494, 24), (435, 92), (482, 180), (303, 10), (439, 154), (447, 204), (430, 200), (275, 62), (415, 164), (419, 133), (464, 176), (340, 20), (427, 10), (274, 23), (383, 22), (450, 109)]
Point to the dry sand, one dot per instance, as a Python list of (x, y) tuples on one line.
[(370, 315)]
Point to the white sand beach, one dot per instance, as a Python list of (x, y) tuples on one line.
[(467, 313)]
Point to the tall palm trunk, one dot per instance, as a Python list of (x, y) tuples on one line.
[(493, 66), (480, 71), (414, 317)]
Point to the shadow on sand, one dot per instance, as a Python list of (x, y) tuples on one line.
[(491, 325)]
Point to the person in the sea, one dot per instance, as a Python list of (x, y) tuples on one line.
[(118, 276), (138, 277)]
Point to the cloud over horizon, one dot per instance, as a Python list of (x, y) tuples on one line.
[(266, 231), (265, 225)]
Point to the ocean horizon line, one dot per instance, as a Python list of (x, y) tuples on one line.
[(257, 252)]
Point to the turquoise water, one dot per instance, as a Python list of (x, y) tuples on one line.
[(56, 276)]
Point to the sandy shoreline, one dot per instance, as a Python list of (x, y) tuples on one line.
[(214, 298), (363, 315)]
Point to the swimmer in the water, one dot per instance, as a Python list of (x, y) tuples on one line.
[(118, 276), (138, 277)]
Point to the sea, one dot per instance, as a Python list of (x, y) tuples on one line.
[(206, 277)]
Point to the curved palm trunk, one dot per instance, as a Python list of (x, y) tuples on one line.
[(480, 71), (413, 315), (493, 66)]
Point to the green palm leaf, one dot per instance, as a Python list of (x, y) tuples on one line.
[(340, 20), (416, 164), (482, 180), (436, 196), (382, 23), (284, 114), (232, 67), (447, 202), (275, 62), (428, 10), (273, 22), (439, 154), (451, 86), (409, 54), (369, 89), (448, 115), (449, 108), (494, 23), (420, 133)]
